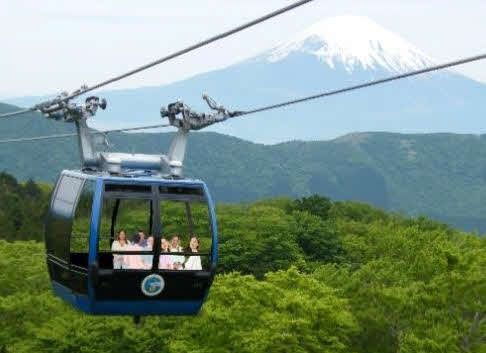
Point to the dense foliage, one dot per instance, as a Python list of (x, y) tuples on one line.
[(22, 208), (307, 275)]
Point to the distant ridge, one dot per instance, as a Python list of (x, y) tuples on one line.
[(441, 175)]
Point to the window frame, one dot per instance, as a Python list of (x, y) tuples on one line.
[(156, 197)]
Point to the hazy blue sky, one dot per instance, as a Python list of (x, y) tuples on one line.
[(49, 46)]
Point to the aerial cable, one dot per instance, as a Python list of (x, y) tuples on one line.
[(85, 89), (18, 112), (47, 137), (360, 86), (22, 139), (147, 127)]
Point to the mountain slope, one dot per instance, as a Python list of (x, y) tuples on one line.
[(441, 175)]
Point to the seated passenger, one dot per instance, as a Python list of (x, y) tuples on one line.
[(175, 246), (147, 259), (165, 261), (140, 239), (134, 262), (194, 262), (120, 244)]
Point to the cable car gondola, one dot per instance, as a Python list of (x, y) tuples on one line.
[(86, 279), (89, 206)]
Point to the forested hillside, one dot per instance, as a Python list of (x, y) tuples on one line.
[(439, 175), (305, 275)]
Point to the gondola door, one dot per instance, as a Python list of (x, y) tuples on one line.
[(144, 286), (131, 208)]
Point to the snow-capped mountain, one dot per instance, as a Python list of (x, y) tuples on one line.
[(330, 54), (355, 42)]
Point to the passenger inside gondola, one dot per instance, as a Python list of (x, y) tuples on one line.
[(194, 262), (147, 259), (177, 260), (120, 244), (165, 260), (134, 262), (140, 238)]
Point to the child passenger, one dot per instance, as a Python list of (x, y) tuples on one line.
[(120, 244), (165, 261), (194, 262)]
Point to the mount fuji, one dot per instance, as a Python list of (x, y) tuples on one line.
[(330, 54), (354, 43)]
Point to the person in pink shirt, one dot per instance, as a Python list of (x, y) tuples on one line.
[(134, 262), (165, 260)]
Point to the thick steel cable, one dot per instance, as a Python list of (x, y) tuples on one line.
[(71, 134), (45, 137), (363, 85), (147, 127), (176, 54), (17, 112)]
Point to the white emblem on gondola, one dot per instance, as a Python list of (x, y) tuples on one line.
[(153, 285)]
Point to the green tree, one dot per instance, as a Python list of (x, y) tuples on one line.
[(262, 241), (318, 238), (316, 205)]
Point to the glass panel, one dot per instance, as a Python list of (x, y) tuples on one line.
[(66, 195), (172, 191), (128, 188), (59, 221), (185, 230), (131, 232), (79, 246)]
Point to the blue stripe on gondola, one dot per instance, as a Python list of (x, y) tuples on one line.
[(127, 307), (94, 232), (80, 302), (214, 226), (148, 307)]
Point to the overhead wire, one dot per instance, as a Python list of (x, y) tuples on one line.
[(193, 47), (36, 138), (18, 112), (147, 127), (71, 134), (362, 85)]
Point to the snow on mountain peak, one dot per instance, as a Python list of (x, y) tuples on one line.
[(353, 41)]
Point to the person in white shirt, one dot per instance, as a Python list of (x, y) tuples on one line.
[(120, 244), (165, 260), (175, 246), (194, 262)]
